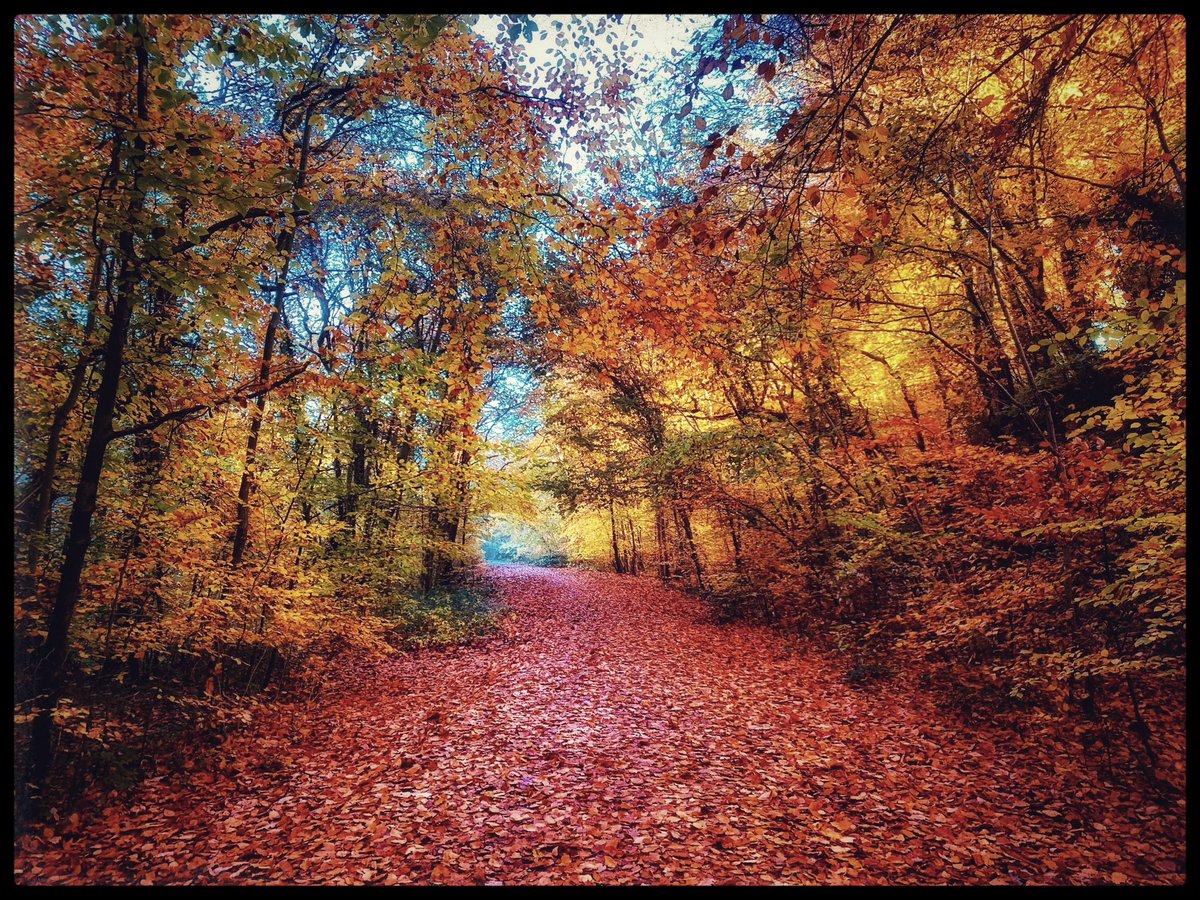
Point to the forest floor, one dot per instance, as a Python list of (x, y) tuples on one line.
[(614, 735)]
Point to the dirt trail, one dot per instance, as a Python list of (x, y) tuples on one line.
[(614, 736)]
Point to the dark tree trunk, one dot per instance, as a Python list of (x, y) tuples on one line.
[(618, 566), (635, 562), (685, 523), (736, 538), (660, 536), (51, 660)]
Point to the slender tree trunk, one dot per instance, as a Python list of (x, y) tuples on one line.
[(429, 574), (618, 567), (635, 562), (736, 539), (241, 533), (454, 517), (340, 504), (685, 523), (660, 539)]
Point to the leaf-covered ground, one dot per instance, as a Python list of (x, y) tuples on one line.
[(613, 736)]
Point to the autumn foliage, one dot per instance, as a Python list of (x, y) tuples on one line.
[(867, 329), (905, 370)]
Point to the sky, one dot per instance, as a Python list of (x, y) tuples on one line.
[(653, 40), (652, 43)]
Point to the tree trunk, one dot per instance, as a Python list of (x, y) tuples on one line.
[(50, 664), (618, 567), (685, 523), (241, 533), (635, 562), (736, 539), (660, 539)]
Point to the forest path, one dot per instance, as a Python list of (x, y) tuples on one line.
[(613, 735)]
